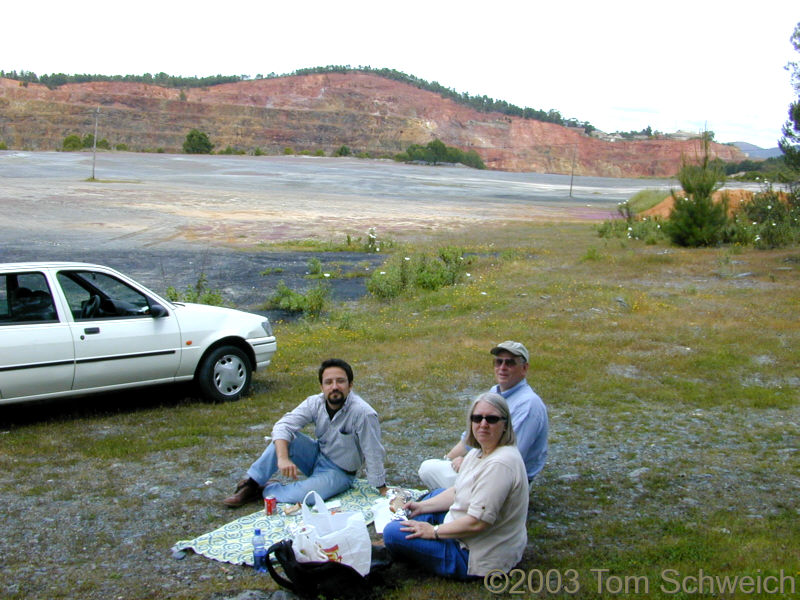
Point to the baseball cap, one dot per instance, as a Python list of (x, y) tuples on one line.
[(514, 347)]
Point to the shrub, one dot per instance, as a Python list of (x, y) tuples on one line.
[(436, 152), (371, 244), (72, 143), (311, 304), (198, 293), (426, 271), (197, 142), (648, 230), (121, 147), (387, 284), (342, 151), (3, 146), (696, 220), (231, 150), (767, 222), (314, 266)]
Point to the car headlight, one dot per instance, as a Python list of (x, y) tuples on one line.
[(267, 327)]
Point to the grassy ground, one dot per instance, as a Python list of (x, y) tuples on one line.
[(671, 377)]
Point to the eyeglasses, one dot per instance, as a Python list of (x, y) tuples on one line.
[(509, 362), (490, 419)]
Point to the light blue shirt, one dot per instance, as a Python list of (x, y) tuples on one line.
[(350, 439), (529, 420)]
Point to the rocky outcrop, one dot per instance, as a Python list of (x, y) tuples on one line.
[(321, 112)]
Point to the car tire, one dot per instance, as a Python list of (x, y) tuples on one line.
[(224, 374)]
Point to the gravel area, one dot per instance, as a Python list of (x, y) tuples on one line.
[(111, 529)]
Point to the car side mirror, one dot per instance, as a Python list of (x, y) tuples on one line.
[(157, 311)]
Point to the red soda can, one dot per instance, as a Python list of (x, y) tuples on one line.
[(270, 505)]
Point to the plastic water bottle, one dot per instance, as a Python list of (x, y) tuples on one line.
[(259, 552)]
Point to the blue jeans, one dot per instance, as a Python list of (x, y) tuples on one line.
[(444, 557), (323, 476)]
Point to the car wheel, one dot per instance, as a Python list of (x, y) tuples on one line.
[(224, 374)]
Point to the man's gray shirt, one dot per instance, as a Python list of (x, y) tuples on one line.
[(350, 439)]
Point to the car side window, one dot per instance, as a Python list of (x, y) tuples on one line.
[(25, 298), (95, 295)]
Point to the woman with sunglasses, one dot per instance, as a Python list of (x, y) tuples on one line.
[(479, 524)]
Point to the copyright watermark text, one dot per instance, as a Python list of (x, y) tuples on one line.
[(669, 581)]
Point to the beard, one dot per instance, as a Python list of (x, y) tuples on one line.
[(336, 398)]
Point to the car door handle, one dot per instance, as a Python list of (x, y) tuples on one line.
[(91, 330)]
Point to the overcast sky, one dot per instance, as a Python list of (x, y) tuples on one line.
[(621, 65)]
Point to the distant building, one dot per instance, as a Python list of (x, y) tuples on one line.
[(683, 135)]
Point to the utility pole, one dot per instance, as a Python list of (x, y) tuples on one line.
[(94, 142), (572, 174)]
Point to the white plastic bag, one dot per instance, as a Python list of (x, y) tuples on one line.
[(305, 546), (340, 537)]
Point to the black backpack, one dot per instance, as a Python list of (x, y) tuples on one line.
[(330, 580)]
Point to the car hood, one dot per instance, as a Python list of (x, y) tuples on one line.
[(196, 319)]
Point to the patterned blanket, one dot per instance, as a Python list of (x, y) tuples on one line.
[(233, 543)]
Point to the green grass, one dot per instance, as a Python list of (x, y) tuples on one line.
[(646, 199), (645, 356)]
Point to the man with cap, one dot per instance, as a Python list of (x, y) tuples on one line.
[(528, 418)]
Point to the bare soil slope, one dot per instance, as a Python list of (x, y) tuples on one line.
[(321, 112)]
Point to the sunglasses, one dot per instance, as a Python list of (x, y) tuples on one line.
[(490, 419), (509, 362)]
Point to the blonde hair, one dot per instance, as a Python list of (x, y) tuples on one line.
[(508, 438)]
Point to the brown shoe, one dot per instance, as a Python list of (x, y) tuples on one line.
[(247, 490)]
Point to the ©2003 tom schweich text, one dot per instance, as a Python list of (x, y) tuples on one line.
[(669, 581)]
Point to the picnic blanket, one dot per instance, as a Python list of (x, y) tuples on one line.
[(233, 543)]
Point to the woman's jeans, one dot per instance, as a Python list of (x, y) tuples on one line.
[(444, 557)]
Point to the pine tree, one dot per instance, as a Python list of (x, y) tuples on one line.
[(696, 220), (790, 143)]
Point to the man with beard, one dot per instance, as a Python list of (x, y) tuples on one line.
[(348, 436)]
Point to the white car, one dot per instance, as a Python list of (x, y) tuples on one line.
[(68, 329)]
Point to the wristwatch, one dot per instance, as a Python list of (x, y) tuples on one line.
[(436, 532)]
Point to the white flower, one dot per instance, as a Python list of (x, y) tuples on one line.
[(407, 258), (326, 274), (468, 275), (383, 272), (484, 294)]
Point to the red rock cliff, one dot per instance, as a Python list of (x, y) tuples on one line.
[(322, 111)]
